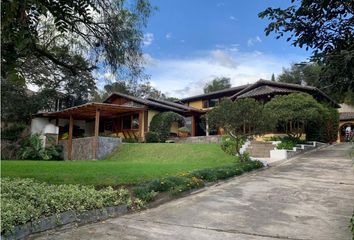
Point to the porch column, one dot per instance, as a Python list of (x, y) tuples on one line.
[(70, 140), (193, 126), (141, 128), (97, 128), (206, 126)]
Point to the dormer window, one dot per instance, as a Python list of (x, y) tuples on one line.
[(210, 103)]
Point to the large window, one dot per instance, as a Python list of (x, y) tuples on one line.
[(210, 103), (130, 122)]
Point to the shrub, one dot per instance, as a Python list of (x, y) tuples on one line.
[(288, 145), (228, 145), (13, 133), (144, 194), (24, 200), (151, 137), (31, 148), (129, 140), (161, 124), (183, 130)]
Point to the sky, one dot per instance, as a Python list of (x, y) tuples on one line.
[(187, 43)]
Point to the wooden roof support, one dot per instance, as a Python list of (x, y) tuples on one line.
[(141, 128), (70, 140), (193, 126), (97, 128)]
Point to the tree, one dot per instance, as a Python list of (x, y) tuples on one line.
[(273, 78), (73, 35), (294, 112), (300, 73), (240, 119), (326, 27), (219, 83)]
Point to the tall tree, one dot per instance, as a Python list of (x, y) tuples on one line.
[(240, 119), (326, 27), (216, 84), (273, 78)]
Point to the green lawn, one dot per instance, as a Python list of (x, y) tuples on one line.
[(130, 164)]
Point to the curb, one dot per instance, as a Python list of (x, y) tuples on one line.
[(64, 219)]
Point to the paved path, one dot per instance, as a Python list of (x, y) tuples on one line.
[(311, 197)]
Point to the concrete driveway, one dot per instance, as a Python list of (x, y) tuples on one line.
[(311, 197)]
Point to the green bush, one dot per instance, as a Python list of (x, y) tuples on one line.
[(161, 124), (31, 148), (24, 200), (183, 130), (228, 145), (288, 145), (13, 133), (144, 194), (152, 137), (129, 140), (325, 129)]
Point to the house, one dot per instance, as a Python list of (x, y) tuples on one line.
[(129, 117), (346, 118)]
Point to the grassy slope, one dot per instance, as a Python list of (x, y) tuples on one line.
[(131, 163)]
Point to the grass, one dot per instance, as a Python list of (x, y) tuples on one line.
[(130, 164)]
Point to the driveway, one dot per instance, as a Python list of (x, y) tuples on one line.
[(311, 197)]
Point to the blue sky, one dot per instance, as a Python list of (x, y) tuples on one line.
[(189, 42)]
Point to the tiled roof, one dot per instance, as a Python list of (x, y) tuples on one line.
[(224, 92), (264, 90), (346, 116), (177, 105)]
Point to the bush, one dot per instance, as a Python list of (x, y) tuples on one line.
[(161, 124), (288, 145), (129, 140), (183, 130), (151, 137), (31, 148), (13, 133), (144, 194), (24, 200), (228, 145)]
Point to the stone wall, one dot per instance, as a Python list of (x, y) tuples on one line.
[(200, 139), (82, 148)]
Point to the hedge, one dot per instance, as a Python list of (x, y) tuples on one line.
[(161, 124), (24, 200), (192, 180)]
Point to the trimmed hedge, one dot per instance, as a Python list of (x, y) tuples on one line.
[(161, 124), (195, 179), (24, 200)]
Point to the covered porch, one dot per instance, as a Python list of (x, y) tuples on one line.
[(100, 119)]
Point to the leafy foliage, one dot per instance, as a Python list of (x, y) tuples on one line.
[(161, 124), (294, 112), (195, 179), (288, 145), (241, 119), (324, 129), (326, 27), (24, 200), (228, 144), (13, 133), (183, 130), (152, 137), (31, 148), (219, 83)]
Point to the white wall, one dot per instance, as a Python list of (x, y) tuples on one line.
[(43, 126)]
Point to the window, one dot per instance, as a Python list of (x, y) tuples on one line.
[(210, 103), (126, 122), (135, 121), (130, 121)]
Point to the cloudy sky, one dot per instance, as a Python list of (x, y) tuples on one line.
[(189, 42)]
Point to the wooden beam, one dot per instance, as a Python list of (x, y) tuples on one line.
[(70, 140), (193, 126), (97, 129), (141, 127)]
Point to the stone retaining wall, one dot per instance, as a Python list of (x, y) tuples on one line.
[(61, 220), (82, 148), (200, 139)]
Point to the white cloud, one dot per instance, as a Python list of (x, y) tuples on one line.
[(187, 77), (168, 35), (148, 39), (232, 18), (252, 41)]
